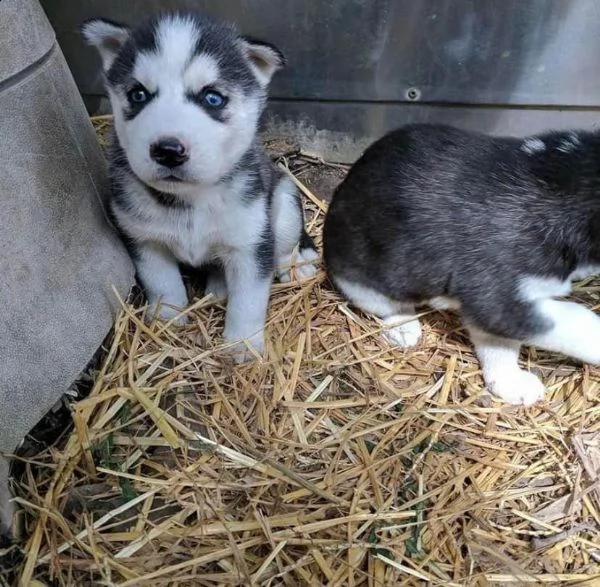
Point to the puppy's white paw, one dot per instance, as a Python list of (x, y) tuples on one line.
[(518, 387), (165, 313), (307, 260), (283, 276), (404, 335), (216, 285), (244, 351), (301, 265)]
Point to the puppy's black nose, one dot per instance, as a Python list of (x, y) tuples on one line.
[(169, 151)]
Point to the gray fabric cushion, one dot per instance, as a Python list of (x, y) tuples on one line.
[(59, 259)]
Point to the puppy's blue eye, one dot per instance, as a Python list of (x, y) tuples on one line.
[(214, 100), (138, 95)]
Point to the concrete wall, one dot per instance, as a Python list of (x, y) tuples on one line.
[(358, 68)]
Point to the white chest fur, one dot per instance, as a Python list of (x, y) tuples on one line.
[(211, 225)]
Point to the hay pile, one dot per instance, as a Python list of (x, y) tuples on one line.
[(335, 461)]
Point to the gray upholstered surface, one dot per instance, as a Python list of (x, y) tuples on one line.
[(25, 36), (59, 259)]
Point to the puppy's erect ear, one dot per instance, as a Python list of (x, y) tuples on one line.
[(108, 37), (265, 59)]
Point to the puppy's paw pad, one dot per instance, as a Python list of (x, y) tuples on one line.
[(405, 335), (518, 388)]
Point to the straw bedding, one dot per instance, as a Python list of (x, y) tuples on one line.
[(334, 461)]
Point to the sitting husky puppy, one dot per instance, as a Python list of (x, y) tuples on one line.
[(191, 182), (497, 227)]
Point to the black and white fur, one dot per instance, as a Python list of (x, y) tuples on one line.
[(498, 227), (191, 182)]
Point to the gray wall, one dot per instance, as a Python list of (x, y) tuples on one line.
[(360, 67)]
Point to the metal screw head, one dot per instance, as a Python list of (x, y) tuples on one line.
[(413, 94)]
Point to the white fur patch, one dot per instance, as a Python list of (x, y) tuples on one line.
[(533, 145), (538, 288), (214, 224), (575, 331), (569, 144), (501, 372), (164, 69), (584, 272), (401, 325), (201, 72), (403, 331), (443, 303)]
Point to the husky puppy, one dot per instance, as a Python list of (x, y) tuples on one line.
[(498, 227), (191, 182)]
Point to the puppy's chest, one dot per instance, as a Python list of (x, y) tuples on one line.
[(208, 231)]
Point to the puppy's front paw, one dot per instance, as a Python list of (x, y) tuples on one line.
[(244, 351), (518, 388), (405, 335), (165, 313)]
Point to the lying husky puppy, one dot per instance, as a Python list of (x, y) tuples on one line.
[(191, 183), (496, 227)]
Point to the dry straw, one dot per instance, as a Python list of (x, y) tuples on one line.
[(333, 461)]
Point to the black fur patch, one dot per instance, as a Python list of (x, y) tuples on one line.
[(141, 40), (264, 253), (306, 241), (134, 108), (121, 198), (220, 40)]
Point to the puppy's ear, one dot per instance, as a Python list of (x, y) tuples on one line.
[(265, 59), (107, 36)]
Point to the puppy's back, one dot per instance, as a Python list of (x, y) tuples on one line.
[(431, 208)]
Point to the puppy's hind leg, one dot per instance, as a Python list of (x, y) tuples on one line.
[(499, 323), (216, 284), (401, 325), (572, 330), (289, 230)]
